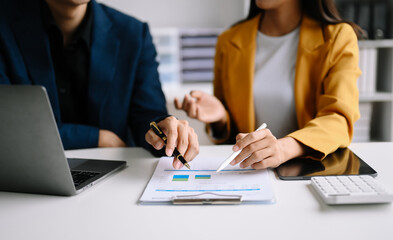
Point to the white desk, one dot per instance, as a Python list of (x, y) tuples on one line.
[(109, 210)]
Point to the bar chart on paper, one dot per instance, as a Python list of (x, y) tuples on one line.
[(167, 183), (207, 180)]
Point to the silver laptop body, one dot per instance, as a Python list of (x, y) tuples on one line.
[(32, 158)]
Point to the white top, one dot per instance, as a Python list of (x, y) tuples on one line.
[(274, 79)]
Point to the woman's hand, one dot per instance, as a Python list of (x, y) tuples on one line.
[(180, 135), (202, 106), (261, 149)]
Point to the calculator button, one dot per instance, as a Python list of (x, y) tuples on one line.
[(351, 190)]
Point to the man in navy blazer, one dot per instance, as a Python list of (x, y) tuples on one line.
[(112, 90)]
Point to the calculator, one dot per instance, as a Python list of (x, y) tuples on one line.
[(351, 189)]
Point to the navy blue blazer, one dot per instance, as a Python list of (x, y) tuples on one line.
[(124, 91)]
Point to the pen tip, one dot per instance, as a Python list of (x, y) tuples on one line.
[(187, 166)]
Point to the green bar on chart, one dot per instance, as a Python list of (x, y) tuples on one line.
[(203, 176), (180, 178)]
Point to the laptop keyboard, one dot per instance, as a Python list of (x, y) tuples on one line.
[(80, 177)]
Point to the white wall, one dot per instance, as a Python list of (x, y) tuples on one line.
[(183, 13)]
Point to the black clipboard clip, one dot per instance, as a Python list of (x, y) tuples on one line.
[(207, 198)]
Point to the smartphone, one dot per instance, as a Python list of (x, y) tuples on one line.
[(341, 162)]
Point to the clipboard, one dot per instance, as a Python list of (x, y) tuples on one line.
[(207, 198), (202, 185)]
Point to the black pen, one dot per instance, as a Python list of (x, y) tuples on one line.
[(176, 153)]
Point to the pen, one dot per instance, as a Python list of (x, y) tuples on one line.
[(234, 154), (176, 153)]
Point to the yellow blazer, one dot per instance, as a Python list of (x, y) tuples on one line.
[(326, 94)]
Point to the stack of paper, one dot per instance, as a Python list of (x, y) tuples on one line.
[(362, 127), (367, 82), (197, 50), (166, 41)]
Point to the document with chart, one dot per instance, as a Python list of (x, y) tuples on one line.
[(202, 182)]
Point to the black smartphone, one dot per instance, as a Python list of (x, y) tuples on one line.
[(341, 162)]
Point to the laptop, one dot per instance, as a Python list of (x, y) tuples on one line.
[(32, 158)]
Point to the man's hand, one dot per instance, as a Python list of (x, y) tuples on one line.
[(180, 135), (107, 138)]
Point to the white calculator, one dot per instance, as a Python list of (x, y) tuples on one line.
[(352, 189)]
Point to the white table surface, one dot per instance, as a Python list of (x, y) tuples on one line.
[(110, 210)]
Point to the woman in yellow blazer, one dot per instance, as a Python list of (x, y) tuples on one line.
[(325, 90)]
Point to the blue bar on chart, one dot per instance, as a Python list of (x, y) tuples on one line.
[(203, 176), (180, 178)]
